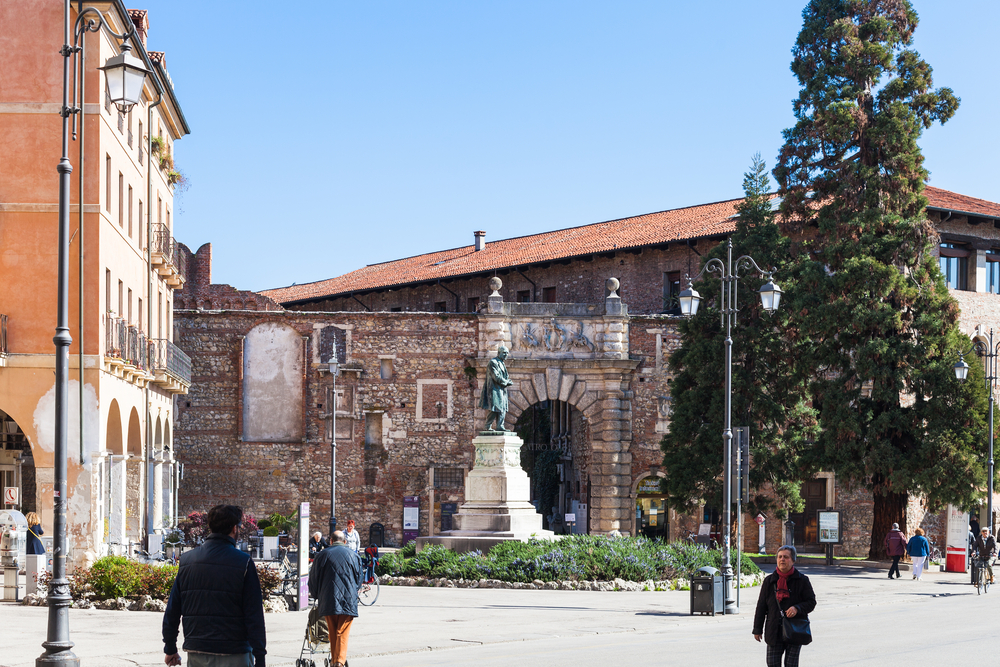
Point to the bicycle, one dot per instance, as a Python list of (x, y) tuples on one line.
[(982, 576), (935, 554), (369, 589)]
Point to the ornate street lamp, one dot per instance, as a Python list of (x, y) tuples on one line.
[(58, 647), (335, 372), (770, 296), (989, 353)]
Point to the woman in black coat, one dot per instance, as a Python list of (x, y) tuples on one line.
[(786, 591)]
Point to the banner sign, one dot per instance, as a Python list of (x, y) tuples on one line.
[(828, 522)]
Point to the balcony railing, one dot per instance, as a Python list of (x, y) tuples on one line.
[(135, 350), (166, 256), (125, 342), (3, 334), (130, 137), (167, 357)]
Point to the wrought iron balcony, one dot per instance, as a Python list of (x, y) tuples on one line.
[(170, 365), (166, 257), (115, 338)]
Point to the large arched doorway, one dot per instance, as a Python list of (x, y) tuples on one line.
[(17, 466), (556, 457), (134, 479)]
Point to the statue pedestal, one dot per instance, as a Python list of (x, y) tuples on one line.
[(496, 505)]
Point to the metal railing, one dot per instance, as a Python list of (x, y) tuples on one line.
[(141, 153), (115, 337), (130, 137), (163, 242), (3, 334), (135, 348), (165, 356)]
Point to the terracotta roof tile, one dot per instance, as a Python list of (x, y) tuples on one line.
[(680, 224)]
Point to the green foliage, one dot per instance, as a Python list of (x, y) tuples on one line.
[(573, 557), (285, 524), (157, 145), (767, 395), (874, 322), (264, 523), (271, 531), (119, 577)]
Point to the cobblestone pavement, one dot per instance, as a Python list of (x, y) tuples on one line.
[(862, 618)]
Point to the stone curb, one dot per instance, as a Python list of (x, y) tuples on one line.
[(679, 584), (275, 605)]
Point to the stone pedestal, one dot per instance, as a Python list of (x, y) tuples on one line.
[(496, 505)]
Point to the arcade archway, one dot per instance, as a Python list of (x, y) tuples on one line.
[(17, 466)]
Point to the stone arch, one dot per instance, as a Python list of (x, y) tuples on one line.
[(113, 441), (600, 393), (134, 434), (18, 463), (167, 445), (273, 363), (157, 436)]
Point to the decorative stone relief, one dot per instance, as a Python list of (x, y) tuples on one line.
[(553, 338), (498, 456)]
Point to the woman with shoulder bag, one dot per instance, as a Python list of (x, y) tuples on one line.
[(782, 618), (35, 532)]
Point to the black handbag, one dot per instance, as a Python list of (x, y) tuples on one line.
[(794, 630)]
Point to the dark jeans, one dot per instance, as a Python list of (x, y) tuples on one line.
[(895, 566)]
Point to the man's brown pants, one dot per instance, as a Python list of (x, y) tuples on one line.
[(339, 627)]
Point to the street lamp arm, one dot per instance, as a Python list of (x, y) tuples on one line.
[(713, 265), (746, 261)]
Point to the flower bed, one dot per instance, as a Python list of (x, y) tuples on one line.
[(571, 558)]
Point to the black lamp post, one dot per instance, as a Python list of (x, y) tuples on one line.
[(770, 296), (125, 75), (989, 351), (334, 371)]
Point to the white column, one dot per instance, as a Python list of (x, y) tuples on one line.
[(981, 281), (157, 475), (116, 514)]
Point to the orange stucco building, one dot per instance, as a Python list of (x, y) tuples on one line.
[(123, 270)]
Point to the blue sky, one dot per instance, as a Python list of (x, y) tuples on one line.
[(331, 135)]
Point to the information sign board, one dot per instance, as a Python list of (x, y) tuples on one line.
[(828, 522)]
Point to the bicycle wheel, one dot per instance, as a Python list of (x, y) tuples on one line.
[(979, 581), (986, 581), (368, 593)]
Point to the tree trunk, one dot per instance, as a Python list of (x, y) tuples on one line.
[(889, 508)]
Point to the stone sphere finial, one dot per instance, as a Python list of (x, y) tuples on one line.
[(495, 285), (612, 284)]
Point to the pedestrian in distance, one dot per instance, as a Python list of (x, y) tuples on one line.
[(785, 592), (919, 549), (334, 580), (316, 544), (974, 524), (35, 533), (217, 594), (895, 546), (987, 547), (353, 538)]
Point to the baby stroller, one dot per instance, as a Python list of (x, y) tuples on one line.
[(317, 640)]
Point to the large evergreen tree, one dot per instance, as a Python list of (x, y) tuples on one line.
[(874, 320), (767, 394)]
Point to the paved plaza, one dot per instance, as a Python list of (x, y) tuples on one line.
[(862, 618)]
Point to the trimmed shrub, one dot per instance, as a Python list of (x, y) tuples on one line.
[(573, 557)]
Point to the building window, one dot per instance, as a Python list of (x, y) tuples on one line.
[(130, 306), (473, 304), (142, 142), (121, 298), (107, 289), (449, 478), (130, 128), (107, 99), (140, 223), (548, 295), (159, 210), (671, 291), (107, 183), (524, 296), (955, 265), (159, 315), (993, 270), (130, 211), (440, 306), (121, 200), (138, 320), (121, 123), (385, 369)]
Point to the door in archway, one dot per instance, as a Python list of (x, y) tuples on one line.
[(652, 517)]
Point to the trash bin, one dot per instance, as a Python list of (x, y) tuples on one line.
[(707, 594)]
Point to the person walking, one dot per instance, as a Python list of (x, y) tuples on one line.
[(334, 580), (217, 594), (35, 533), (353, 538), (895, 546), (784, 592), (919, 549)]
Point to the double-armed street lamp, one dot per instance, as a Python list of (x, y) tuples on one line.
[(989, 351), (770, 296), (125, 75)]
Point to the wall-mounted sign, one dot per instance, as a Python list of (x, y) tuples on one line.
[(10, 495), (828, 522), (411, 518), (649, 486)]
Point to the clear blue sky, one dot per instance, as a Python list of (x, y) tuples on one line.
[(330, 135)]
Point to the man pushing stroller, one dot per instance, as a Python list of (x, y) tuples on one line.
[(334, 579)]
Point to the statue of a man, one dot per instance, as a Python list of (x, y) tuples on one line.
[(494, 399)]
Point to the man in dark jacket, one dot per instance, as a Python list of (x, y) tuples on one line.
[(987, 548), (334, 580), (895, 546), (217, 593), (785, 591)]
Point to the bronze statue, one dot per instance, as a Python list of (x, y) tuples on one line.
[(494, 399)]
